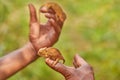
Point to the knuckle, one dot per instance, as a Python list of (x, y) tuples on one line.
[(32, 37)]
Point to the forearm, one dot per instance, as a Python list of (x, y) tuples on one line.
[(16, 60)]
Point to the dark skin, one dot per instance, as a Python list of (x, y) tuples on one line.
[(44, 35), (81, 70), (41, 35)]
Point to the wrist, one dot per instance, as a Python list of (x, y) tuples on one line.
[(31, 51)]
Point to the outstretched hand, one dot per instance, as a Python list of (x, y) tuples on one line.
[(81, 70), (43, 35)]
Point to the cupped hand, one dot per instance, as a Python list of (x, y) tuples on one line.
[(43, 35), (81, 70)]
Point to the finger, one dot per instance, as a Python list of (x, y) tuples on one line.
[(48, 15), (33, 17), (75, 65), (57, 20), (46, 10), (58, 67), (55, 26), (52, 12), (79, 61), (34, 25)]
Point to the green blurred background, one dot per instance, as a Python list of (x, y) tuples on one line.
[(92, 29)]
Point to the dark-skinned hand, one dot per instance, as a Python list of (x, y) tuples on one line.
[(43, 35), (81, 70)]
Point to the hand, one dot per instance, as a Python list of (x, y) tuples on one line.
[(43, 35), (81, 70)]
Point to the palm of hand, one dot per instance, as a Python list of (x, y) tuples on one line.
[(80, 71), (43, 35)]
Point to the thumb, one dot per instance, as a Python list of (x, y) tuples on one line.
[(79, 61), (59, 67), (34, 25), (33, 16)]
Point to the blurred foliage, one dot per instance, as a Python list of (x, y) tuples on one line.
[(95, 36)]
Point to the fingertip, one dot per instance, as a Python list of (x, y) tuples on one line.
[(76, 56), (32, 10), (79, 60), (30, 5), (47, 59), (43, 9), (59, 67), (49, 62), (47, 15)]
